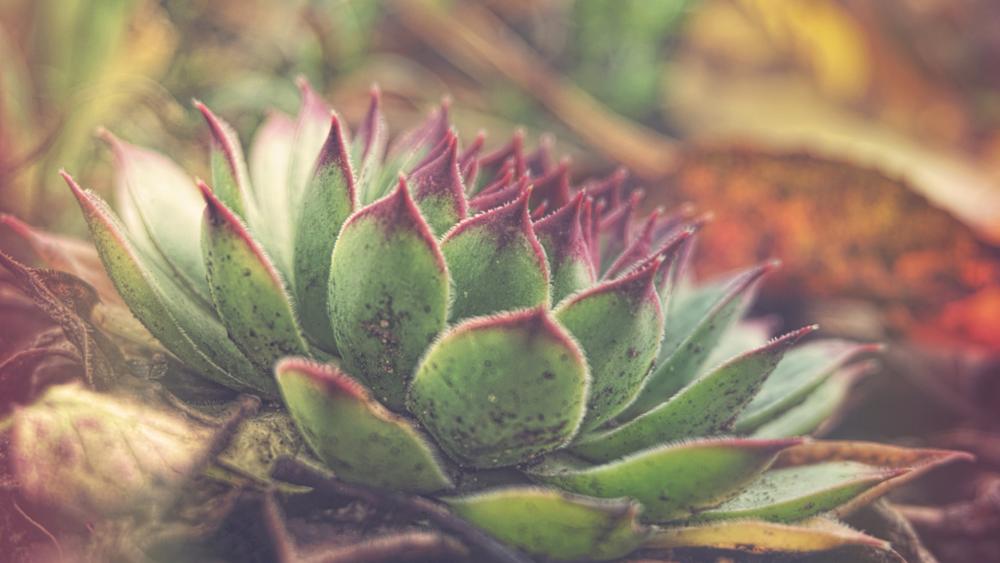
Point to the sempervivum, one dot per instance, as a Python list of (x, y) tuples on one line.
[(442, 320)]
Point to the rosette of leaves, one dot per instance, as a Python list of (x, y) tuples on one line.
[(470, 325)]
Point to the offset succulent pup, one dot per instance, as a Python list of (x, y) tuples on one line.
[(474, 327)]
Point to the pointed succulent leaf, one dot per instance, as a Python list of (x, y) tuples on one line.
[(468, 160), (619, 326), (161, 208), (755, 536), (638, 250), (496, 262), (229, 169), (312, 137), (490, 164), (562, 235), (187, 330), (328, 200), (614, 228), (353, 434), (248, 292), (800, 372), (705, 407), (90, 455), (439, 191), (818, 408), (608, 189), (553, 186), (795, 493), (415, 144), (367, 150), (670, 481), (500, 390), (917, 461), (555, 525), (693, 328), (269, 161), (388, 293), (540, 162)]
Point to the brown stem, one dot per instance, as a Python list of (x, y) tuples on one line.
[(293, 471)]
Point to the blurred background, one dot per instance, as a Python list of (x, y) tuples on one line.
[(857, 141)]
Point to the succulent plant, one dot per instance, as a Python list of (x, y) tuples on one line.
[(471, 326)]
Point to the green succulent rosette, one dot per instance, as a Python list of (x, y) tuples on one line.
[(427, 311)]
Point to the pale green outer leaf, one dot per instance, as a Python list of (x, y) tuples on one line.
[(161, 208), (388, 294), (189, 332), (90, 455), (353, 434), (270, 159), (816, 534), (312, 126), (553, 524), (670, 481), (795, 493), (693, 328), (705, 407), (800, 372), (248, 292), (497, 391)]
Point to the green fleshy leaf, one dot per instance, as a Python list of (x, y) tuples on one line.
[(247, 290), (355, 435), (188, 331), (619, 326), (705, 407), (670, 481), (795, 493), (817, 408), (229, 169), (694, 327), (388, 293), (496, 262), (90, 455), (555, 525), (328, 200), (561, 234), (161, 208), (439, 191), (500, 390), (915, 462), (755, 536), (800, 372)]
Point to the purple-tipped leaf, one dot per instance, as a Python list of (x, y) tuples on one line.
[(564, 238), (619, 325), (496, 262), (353, 434), (248, 292), (388, 293), (497, 391)]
